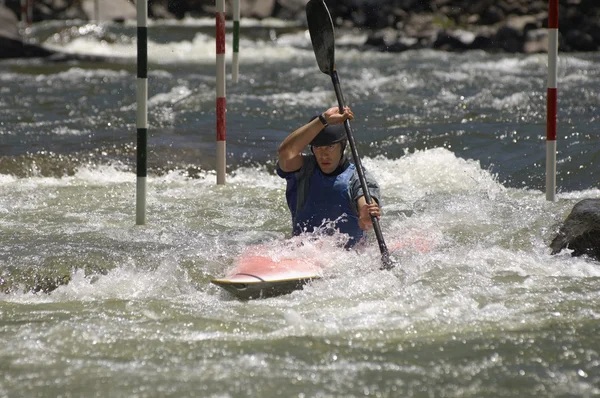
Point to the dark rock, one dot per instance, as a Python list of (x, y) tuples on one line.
[(594, 31), (509, 39), (480, 7), (491, 16), (389, 41), (450, 42), (536, 41), (538, 6), (397, 47), (580, 231), (580, 41), (382, 38), (17, 49), (10, 41), (13, 46), (504, 6), (531, 26), (288, 9), (482, 42), (574, 18), (588, 7)]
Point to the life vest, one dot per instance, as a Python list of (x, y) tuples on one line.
[(324, 205)]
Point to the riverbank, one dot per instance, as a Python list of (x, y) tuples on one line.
[(512, 26)]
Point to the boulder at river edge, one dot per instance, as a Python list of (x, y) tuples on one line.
[(580, 231), (11, 44)]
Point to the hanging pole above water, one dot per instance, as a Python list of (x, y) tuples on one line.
[(235, 61), (221, 102), (29, 12), (142, 110), (26, 16), (552, 101)]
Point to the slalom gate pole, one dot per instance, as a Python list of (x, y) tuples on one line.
[(24, 22), (142, 109), (221, 102), (552, 101), (29, 12), (235, 63)]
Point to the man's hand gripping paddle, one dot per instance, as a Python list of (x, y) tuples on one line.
[(320, 27)]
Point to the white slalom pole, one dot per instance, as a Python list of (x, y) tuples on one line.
[(552, 101), (29, 12), (142, 109), (235, 62), (23, 4), (221, 102)]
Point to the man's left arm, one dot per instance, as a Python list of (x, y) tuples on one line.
[(363, 210), (366, 211)]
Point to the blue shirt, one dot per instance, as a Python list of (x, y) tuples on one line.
[(326, 202)]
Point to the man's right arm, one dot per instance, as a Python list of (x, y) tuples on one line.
[(290, 150)]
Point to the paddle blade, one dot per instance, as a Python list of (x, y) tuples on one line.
[(320, 27)]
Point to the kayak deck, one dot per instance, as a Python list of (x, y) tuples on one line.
[(259, 276), (261, 289)]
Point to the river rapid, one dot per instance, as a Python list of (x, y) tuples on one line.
[(477, 306)]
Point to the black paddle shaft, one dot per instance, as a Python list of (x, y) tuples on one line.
[(322, 37), (387, 263)]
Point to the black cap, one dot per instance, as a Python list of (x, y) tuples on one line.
[(330, 135)]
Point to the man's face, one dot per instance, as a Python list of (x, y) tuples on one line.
[(328, 156)]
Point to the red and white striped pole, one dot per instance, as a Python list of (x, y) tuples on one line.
[(29, 12), (24, 19), (97, 11), (552, 101), (221, 102)]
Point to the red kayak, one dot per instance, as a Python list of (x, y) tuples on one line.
[(258, 275)]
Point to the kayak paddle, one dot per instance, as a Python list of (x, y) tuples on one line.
[(320, 27)]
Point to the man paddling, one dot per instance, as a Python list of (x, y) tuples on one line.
[(323, 188)]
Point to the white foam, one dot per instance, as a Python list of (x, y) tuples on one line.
[(431, 171), (453, 76), (7, 179), (77, 73), (201, 49), (101, 175), (508, 65), (284, 100), (64, 130), (510, 101)]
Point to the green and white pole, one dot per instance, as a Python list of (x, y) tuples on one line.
[(142, 110), (235, 64)]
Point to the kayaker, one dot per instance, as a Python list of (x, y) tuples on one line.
[(323, 188)]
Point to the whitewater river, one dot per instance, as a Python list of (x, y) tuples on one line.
[(92, 305)]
